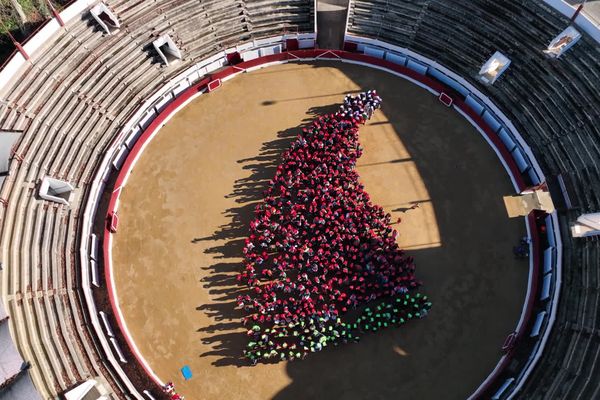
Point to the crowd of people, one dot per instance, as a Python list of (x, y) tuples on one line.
[(319, 250), (169, 389)]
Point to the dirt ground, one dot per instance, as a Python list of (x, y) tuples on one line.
[(185, 211)]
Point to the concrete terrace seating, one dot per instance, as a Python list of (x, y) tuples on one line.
[(461, 36), (70, 101), (574, 359), (270, 18), (551, 103), (382, 18)]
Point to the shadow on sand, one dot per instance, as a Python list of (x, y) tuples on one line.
[(225, 335)]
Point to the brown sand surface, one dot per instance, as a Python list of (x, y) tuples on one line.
[(185, 211)]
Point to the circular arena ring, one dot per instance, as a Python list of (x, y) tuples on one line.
[(148, 232), (116, 287)]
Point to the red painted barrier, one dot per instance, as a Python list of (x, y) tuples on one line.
[(291, 44), (509, 342), (213, 85), (445, 99), (534, 228), (234, 58), (113, 222)]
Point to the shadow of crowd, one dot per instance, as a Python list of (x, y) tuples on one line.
[(224, 335)]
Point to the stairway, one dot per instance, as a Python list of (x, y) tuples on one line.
[(331, 23)]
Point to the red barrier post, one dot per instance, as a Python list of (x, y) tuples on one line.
[(18, 46), (56, 14), (291, 44), (350, 46)]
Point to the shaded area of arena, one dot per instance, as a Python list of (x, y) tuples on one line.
[(185, 213)]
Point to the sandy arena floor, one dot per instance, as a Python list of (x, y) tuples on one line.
[(185, 211)]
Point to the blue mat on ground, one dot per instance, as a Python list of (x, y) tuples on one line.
[(186, 372)]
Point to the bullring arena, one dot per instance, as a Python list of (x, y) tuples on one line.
[(138, 137)]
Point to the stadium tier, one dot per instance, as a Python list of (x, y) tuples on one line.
[(78, 93)]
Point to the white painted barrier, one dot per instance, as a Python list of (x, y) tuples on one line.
[(42, 37), (10, 70), (76, 9)]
